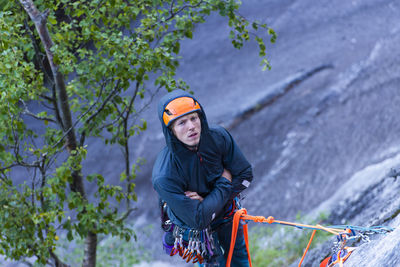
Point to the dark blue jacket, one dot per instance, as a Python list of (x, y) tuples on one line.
[(178, 169)]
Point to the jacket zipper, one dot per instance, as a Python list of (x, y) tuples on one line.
[(200, 158)]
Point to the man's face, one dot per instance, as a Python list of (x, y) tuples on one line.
[(187, 129)]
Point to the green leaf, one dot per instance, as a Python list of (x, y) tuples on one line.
[(123, 177), (189, 34), (70, 237), (52, 20)]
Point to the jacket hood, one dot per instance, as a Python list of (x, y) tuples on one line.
[(172, 142)]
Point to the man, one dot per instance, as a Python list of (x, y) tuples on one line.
[(198, 176)]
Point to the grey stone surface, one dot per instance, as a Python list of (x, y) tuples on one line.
[(327, 144)]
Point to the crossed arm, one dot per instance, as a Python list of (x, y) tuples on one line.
[(194, 195)]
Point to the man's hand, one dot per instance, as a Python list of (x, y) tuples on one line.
[(193, 195), (227, 174)]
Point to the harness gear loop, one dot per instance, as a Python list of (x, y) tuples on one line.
[(235, 226)]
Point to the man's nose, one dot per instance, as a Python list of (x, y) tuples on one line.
[(191, 124)]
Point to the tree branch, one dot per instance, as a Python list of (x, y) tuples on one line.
[(77, 121), (109, 97), (126, 214), (39, 20), (29, 113), (57, 260), (173, 14)]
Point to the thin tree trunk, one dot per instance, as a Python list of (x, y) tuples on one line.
[(89, 259), (40, 20)]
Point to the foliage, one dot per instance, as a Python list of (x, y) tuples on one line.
[(282, 245), (111, 251), (104, 52)]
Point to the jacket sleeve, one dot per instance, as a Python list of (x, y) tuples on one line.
[(193, 213), (237, 164)]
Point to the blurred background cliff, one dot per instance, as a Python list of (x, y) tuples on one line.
[(322, 126)]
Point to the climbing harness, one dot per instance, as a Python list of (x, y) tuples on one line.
[(343, 233), (194, 245), (166, 223)]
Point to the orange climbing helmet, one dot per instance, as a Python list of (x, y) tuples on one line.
[(179, 107)]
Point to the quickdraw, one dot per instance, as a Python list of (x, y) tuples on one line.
[(343, 233), (339, 258), (341, 252), (200, 244), (191, 244)]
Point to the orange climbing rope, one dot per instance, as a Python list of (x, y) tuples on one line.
[(242, 215), (235, 226), (308, 246), (270, 220)]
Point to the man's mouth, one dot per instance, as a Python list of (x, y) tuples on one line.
[(192, 135)]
